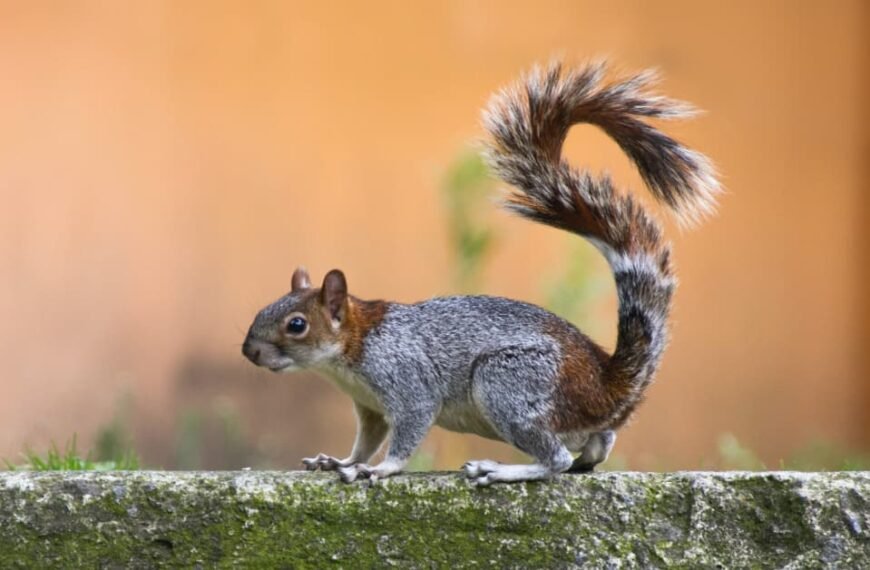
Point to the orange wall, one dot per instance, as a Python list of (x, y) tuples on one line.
[(164, 167)]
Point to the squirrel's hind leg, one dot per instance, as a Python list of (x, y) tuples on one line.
[(553, 457), (512, 388), (595, 451)]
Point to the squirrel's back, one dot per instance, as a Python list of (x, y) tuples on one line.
[(464, 326)]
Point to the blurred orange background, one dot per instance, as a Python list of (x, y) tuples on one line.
[(165, 165)]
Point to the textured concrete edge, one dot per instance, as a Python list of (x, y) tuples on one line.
[(152, 518)]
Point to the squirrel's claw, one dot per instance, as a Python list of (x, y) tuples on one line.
[(374, 473), (324, 462), (311, 463), (368, 472), (349, 473), (479, 469)]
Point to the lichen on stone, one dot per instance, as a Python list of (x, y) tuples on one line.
[(310, 520)]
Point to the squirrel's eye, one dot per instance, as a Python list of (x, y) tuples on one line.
[(296, 325)]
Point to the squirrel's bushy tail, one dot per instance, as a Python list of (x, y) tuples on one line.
[(528, 123)]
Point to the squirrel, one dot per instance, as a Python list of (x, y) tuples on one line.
[(503, 369)]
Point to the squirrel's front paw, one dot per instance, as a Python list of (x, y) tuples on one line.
[(324, 462), (351, 473)]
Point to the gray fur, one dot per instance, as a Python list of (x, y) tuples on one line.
[(497, 367), (480, 365)]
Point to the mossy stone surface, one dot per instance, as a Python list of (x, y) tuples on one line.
[(254, 519)]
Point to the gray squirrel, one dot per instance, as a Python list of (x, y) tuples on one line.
[(499, 368)]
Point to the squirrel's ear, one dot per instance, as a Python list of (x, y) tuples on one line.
[(333, 294), (301, 280)]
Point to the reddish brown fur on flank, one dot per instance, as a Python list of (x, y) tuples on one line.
[(361, 317), (625, 414), (584, 400)]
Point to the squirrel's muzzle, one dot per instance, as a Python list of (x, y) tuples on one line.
[(265, 354), (251, 351)]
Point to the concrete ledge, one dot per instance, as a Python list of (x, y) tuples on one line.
[(296, 520)]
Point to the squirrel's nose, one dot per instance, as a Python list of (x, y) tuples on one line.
[(251, 352)]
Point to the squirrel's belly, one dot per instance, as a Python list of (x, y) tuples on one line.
[(464, 417)]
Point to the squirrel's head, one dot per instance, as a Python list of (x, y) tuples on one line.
[(304, 328)]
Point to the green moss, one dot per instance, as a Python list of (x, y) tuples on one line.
[(772, 512), (301, 520)]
